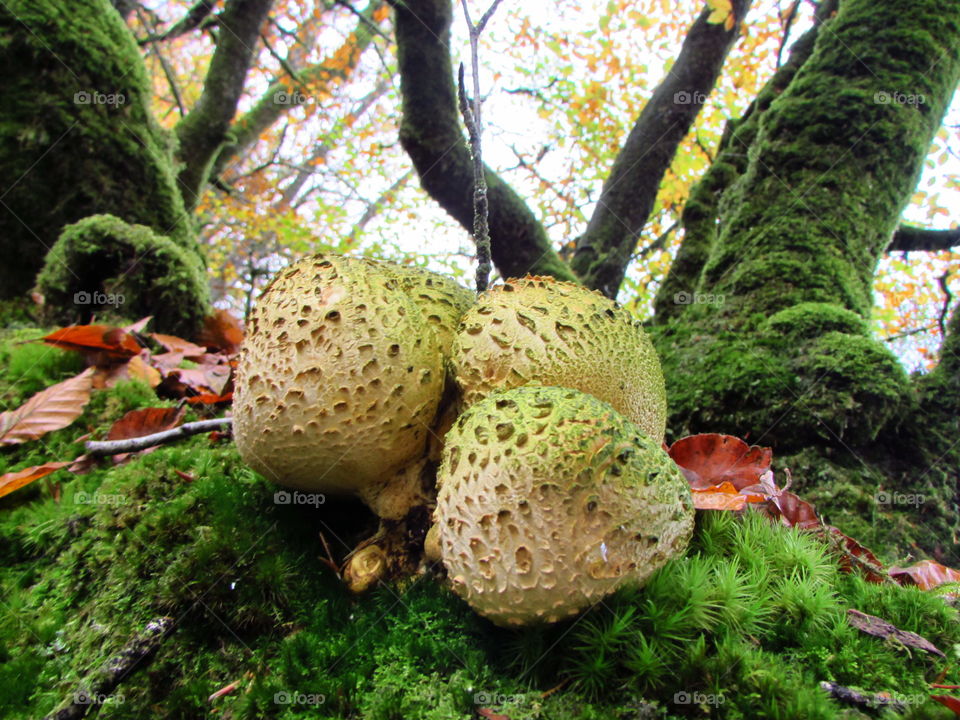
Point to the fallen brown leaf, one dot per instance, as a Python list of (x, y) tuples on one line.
[(48, 410), (15, 480)]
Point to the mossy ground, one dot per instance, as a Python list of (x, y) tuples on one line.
[(744, 626)]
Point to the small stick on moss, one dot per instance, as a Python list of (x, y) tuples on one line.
[(101, 448), (474, 123), (115, 671)]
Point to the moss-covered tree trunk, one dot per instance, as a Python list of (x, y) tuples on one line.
[(769, 336), (76, 134)]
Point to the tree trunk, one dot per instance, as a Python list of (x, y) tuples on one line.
[(76, 133), (769, 338)]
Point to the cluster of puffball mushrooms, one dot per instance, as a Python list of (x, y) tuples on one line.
[(524, 425)]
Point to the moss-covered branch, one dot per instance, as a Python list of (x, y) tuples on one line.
[(431, 134), (286, 92), (629, 193), (204, 129)]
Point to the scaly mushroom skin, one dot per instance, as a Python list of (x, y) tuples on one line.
[(339, 383), (540, 331), (549, 500)]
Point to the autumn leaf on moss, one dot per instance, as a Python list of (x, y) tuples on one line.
[(711, 459), (114, 341), (925, 574), (16, 480), (221, 331), (145, 421), (48, 410)]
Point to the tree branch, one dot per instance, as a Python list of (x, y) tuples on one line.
[(280, 96), (431, 134), (99, 448), (909, 238), (629, 193), (116, 670), (203, 130), (195, 15)]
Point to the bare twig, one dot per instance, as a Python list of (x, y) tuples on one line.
[(164, 65), (114, 447), (474, 122), (115, 671), (947, 299)]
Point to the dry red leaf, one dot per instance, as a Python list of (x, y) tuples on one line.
[(949, 701), (114, 341), (854, 556), (722, 497), (146, 421), (793, 511), (15, 480), (210, 398), (48, 410), (139, 325), (134, 369), (184, 348), (489, 714), (710, 459), (926, 574), (185, 476), (205, 378), (221, 331)]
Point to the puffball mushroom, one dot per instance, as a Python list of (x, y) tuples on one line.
[(340, 378), (549, 499), (541, 331)]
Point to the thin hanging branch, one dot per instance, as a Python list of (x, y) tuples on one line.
[(472, 119)]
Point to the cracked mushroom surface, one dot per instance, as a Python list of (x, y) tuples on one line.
[(541, 331), (339, 381), (549, 500)]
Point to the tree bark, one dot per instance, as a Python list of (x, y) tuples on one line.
[(700, 217), (431, 134), (204, 129), (909, 238), (604, 250), (773, 342)]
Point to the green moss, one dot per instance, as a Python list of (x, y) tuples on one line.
[(76, 133), (851, 384), (127, 268), (810, 320), (30, 366)]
